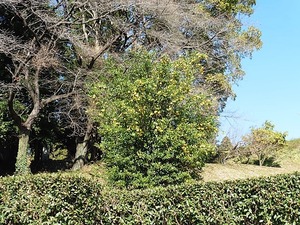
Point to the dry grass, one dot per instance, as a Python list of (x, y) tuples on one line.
[(288, 159), (219, 172)]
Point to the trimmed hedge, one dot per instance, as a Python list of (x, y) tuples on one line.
[(56, 199), (49, 199)]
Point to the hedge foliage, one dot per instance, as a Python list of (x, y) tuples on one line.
[(72, 200), (49, 199)]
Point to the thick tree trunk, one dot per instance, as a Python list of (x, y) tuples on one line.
[(23, 161), (80, 156), (82, 148)]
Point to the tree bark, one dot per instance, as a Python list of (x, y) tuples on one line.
[(82, 148), (261, 159), (81, 151), (23, 161)]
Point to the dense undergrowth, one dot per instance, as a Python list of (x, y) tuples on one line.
[(65, 199)]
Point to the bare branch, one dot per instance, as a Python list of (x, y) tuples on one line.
[(54, 98), (101, 51)]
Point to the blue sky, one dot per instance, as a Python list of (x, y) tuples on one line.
[(270, 89)]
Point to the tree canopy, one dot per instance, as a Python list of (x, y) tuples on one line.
[(53, 52), (264, 142)]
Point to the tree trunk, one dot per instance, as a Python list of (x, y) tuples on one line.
[(82, 148), (80, 156), (261, 159), (23, 161)]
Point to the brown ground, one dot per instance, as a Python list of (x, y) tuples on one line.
[(219, 172)]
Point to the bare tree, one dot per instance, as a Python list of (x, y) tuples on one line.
[(166, 26), (32, 42)]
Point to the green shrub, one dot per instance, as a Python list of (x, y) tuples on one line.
[(157, 127), (45, 199), (273, 200), (224, 150)]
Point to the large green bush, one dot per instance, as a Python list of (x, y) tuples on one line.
[(157, 127), (57, 199)]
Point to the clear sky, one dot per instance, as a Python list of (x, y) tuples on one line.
[(270, 89)]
